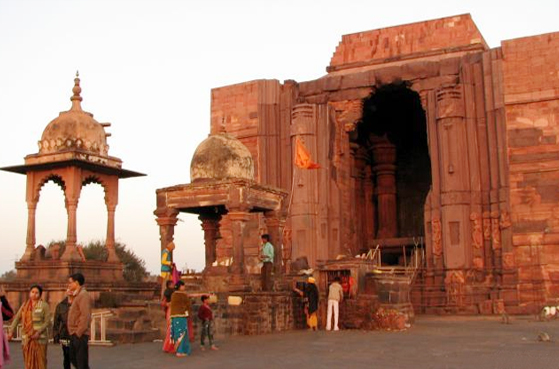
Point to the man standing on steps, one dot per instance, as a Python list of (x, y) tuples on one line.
[(267, 258), (79, 319)]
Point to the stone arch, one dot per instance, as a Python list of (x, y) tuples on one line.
[(96, 179), (56, 178)]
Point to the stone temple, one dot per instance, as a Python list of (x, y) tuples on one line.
[(426, 138)]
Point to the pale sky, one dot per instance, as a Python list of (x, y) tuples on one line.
[(148, 68)]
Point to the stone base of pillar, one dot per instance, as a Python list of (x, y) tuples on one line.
[(112, 256), (27, 254), (58, 270), (70, 254)]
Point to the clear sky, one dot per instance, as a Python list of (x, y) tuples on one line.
[(148, 68)]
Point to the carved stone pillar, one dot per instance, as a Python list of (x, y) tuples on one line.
[(359, 201), (384, 156), (210, 225), (275, 226), (71, 253), (110, 242), (30, 241), (304, 206), (167, 220), (455, 177), (370, 218), (239, 219)]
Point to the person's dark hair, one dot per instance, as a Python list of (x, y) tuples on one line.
[(337, 279), (265, 237), (39, 288), (178, 285), (78, 277), (168, 284), (204, 297)]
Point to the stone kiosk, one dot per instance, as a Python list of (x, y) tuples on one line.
[(73, 152), (223, 190)]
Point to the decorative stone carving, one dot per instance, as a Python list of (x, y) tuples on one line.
[(495, 230), (486, 226), (478, 263), (348, 113), (454, 285), (505, 221), (509, 261), (436, 236), (449, 101), (477, 233)]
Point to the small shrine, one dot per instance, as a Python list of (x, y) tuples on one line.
[(223, 190), (73, 152)]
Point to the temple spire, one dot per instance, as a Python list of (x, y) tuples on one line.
[(76, 98)]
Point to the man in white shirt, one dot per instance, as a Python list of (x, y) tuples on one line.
[(335, 296)]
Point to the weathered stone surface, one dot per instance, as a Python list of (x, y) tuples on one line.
[(422, 133), (221, 156)]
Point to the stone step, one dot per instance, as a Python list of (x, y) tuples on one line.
[(126, 336), (130, 312), (130, 324)]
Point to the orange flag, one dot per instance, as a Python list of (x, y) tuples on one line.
[(303, 158)]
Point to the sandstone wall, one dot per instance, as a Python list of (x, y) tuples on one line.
[(531, 95)]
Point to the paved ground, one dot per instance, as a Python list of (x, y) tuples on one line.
[(434, 342)]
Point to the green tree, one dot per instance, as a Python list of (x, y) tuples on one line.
[(134, 266), (8, 276)]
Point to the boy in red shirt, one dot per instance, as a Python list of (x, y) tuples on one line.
[(205, 314)]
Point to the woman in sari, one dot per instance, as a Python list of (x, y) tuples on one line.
[(310, 298), (180, 311), (7, 314), (34, 316), (311, 293), (167, 344)]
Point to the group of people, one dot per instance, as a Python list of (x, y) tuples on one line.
[(310, 295), (178, 310), (180, 333), (70, 326)]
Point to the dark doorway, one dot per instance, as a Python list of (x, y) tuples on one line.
[(393, 131)]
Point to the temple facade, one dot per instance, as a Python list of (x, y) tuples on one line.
[(425, 137)]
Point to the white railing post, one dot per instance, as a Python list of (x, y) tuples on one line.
[(100, 316)]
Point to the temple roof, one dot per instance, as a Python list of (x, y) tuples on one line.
[(74, 129), (409, 41)]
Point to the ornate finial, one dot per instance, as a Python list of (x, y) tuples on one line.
[(76, 98)]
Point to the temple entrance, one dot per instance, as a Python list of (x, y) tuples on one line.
[(392, 141)]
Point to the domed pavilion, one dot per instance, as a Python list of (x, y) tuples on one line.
[(226, 197), (73, 152)]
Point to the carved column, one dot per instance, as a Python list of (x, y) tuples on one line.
[(210, 225), (304, 206), (370, 218), (359, 217), (70, 253), (384, 156), (110, 242), (274, 226), (167, 222), (239, 218), (30, 241), (455, 177)]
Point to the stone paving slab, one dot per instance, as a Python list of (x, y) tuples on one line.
[(434, 342)]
